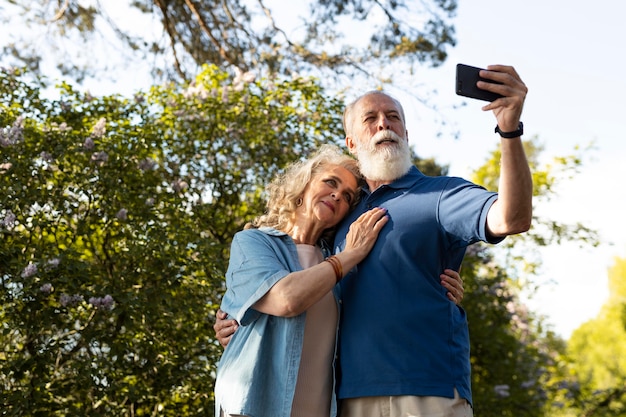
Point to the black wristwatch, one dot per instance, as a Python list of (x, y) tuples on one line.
[(510, 135)]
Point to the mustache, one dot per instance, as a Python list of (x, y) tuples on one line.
[(384, 135)]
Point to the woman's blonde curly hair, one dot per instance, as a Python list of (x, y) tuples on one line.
[(287, 188)]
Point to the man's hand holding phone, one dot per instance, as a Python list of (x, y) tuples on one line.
[(467, 78), (501, 86)]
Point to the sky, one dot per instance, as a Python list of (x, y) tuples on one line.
[(571, 57)]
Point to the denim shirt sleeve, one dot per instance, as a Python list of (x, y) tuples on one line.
[(257, 262)]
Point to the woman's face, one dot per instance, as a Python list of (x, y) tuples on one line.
[(328, 197)]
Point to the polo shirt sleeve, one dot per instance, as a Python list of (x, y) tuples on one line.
[(463, 212), (256, 264)]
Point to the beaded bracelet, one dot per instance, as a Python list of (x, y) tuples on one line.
[(336, 263)]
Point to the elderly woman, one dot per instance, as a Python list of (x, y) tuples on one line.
[(280, 282)]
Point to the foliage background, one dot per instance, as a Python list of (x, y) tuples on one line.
[(116, 214)]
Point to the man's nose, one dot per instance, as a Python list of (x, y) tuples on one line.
[(383, 123)]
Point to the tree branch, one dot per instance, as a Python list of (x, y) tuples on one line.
[(61, 12), (207, 31), (172, 35)]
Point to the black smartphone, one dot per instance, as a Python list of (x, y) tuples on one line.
[(466, 78)]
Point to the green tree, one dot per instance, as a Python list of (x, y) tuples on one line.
[(510, 350), (116, 215), (241, 34), (596, 357), (515, 356)]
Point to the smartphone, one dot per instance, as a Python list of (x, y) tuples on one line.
[(466, 78)]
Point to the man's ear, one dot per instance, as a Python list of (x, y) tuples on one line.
[(350, 144)]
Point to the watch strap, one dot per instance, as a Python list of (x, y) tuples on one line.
[(510, 135)]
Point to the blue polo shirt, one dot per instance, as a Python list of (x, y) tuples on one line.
[(258, 370), (400, 334)]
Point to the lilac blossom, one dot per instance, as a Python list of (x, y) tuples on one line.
[(54, 126), (122, 214), (100, 128), (9, 220), (46, 288), (45, 156), (105, 302), (70, 300), (53, 263), (88, 144), (147, 164), (100, 157), (179, 185), (14, 134), (196, 91), (29, 271), (242, 78)]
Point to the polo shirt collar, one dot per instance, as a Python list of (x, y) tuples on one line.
[(405, 181)]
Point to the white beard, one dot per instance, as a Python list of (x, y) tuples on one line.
[(386, 163)]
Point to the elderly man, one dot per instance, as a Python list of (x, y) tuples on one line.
[(403, 348)]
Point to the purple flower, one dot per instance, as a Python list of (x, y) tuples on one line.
[(53, 263), (100, 157), (45, 156), (9, 220), (105, 302), (88, 144), (70, 300), (122, 214), (46, 288), (29, 271), (147, 164), (179, 185), (10, 136)]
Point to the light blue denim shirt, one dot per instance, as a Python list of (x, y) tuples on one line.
[(258, 370)]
